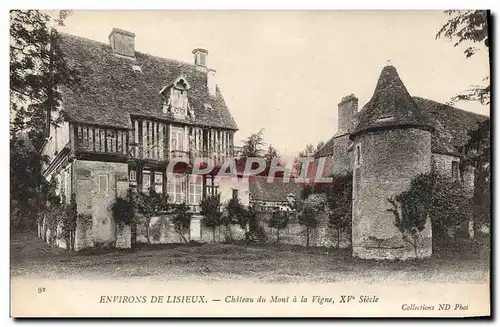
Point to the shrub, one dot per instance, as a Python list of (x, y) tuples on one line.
[(435, 197), (211, 211), (181, 219), (279, 220), (123, 209)]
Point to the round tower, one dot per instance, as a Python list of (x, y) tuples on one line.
[(391, 145)]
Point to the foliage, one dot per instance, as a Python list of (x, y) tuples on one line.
[(28, 188), (477, 153), (255, 231), (308, 215), (253, 145), (151, 204), (123, 209), (430, 196), (279, 220), (181, 219), (306, 191), (69, 222), (236, 214), (37, 70), (84, 220), (306, 153), (339, 199), (470, 28), (271, 154), (211, 211), (320, 145)]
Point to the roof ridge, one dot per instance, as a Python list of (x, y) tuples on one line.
[(139, 52), (452, 107)]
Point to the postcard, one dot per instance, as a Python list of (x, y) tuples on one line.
[(250, 163)]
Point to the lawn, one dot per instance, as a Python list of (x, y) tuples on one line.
[(268, 263)]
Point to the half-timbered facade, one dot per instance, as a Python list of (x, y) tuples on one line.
[(129, 117)]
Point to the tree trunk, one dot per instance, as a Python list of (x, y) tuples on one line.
[(338, 238), (213, 232), (307, 236), (277, 235), (415, 245)]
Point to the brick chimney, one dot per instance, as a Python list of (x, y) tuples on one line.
[(122, 42), (347, 108)]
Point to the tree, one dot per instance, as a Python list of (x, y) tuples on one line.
[(38, 69), (279, 220), (319, 145), (271, 154), (339, 199), (430, 196), (253, 145), (469, 28), (308, 216), (28, 188), (211, 211), (181, 219), (308, 152), (236, 214), (37, 72), (152, 204)]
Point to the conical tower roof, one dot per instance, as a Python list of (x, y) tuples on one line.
[(390, 107)]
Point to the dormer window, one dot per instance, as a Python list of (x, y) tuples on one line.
[(175, 99)]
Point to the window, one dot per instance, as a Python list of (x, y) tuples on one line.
[(212, 189), (455, 172), (235, 194), (176, 188), (110, 140), (103, 183), (178, 97), (146, 180), (132, 178), (195, 189), (177, 139), (159, 182)]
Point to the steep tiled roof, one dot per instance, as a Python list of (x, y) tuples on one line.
[(391, 105), (326, 150), (111, 90), (450, 124), (276, 191)]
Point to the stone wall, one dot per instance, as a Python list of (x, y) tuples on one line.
[(389, 161), (84, 236), (97, 186), (342, 156), (443, 162), (296, 234), (123, 236)]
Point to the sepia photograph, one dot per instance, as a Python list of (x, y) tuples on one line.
[(242, 163)]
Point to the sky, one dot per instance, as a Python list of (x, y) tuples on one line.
[(286, 71)]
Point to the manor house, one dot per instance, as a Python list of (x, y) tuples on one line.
[(130, 115)]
